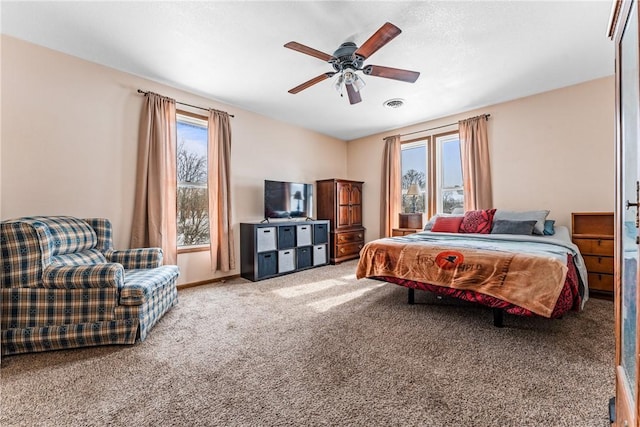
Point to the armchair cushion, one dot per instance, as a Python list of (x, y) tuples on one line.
[(102, 227), (88, 257), (68, 234), (83, 276), (139, 285)]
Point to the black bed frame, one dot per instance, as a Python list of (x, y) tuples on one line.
[(498, 313)]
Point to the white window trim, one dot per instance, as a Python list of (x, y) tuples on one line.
[(205, 124), (439, 141), (418, 144), (191, 120)]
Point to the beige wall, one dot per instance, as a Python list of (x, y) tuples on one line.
[(69, 138), (69, 134), (553, 150)]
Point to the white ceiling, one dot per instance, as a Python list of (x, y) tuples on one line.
[(470, 54)]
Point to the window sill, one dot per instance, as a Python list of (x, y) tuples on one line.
[(190, 249)]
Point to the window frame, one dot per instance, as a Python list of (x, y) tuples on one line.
[(433, 178), (414, 143), (438, 141), (196, 119)]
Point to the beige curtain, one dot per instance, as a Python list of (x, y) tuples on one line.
[(154, 213), (391, 186), (476, 169), (220, 222)]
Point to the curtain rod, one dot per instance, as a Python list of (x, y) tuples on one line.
[(189, 105), (486, 116)]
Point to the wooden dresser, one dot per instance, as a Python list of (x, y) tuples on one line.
[(593, 232), (340, 201)]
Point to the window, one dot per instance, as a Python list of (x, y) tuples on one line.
[(414, 172), (192, 197), (450, 193), (433, 167)]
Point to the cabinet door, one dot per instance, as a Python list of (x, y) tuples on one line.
[(343, 190), (349, 204), (626, 283), (355, 197), (356, 205), (356, 215)]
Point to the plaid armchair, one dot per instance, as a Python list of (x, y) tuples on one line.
[(62, 285)]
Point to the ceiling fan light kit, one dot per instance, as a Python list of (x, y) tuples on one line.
[(348, 59)]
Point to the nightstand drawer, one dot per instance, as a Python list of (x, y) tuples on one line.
[(595, 246), (404, 231), (598, 264), (349, 237), (601, 282)]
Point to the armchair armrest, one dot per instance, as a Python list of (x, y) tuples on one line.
[(83, 276), (136, 258)]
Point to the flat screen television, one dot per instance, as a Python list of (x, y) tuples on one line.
[(287, 199)]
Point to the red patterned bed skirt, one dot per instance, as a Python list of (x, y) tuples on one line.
[(569, 298)]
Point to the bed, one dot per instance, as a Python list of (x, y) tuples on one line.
[(525, 275)]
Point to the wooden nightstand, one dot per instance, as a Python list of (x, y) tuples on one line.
[(410, 220), (592, 232), (404, 231)]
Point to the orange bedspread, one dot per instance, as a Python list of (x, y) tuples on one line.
[(530, 281)]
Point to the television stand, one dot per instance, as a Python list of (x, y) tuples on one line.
[(272, 249)]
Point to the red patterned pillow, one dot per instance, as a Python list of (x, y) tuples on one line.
[(447, 224), (477, 221)]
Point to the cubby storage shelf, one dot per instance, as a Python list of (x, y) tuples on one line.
[(276, 248)]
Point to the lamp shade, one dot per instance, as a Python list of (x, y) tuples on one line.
[(413, 190), (297, 196)]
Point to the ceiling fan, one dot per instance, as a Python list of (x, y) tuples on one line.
[(349, 58)]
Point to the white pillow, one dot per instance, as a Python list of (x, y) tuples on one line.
[(539, 216)]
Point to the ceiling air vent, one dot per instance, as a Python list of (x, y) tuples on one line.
[(394, 103)]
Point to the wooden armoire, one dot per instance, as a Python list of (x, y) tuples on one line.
[(340, 201)]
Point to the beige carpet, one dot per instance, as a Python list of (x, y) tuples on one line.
[(320, 348)]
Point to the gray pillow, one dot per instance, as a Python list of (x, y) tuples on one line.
[(505, 226), (538, 216)]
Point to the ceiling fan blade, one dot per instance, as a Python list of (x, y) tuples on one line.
[(384, 35), (309, 51), (311, 82), (391, 73), (354, 97)]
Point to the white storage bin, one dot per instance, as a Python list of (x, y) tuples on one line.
[(266, 239), (303, 233), (319, 254), (286, 260)]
